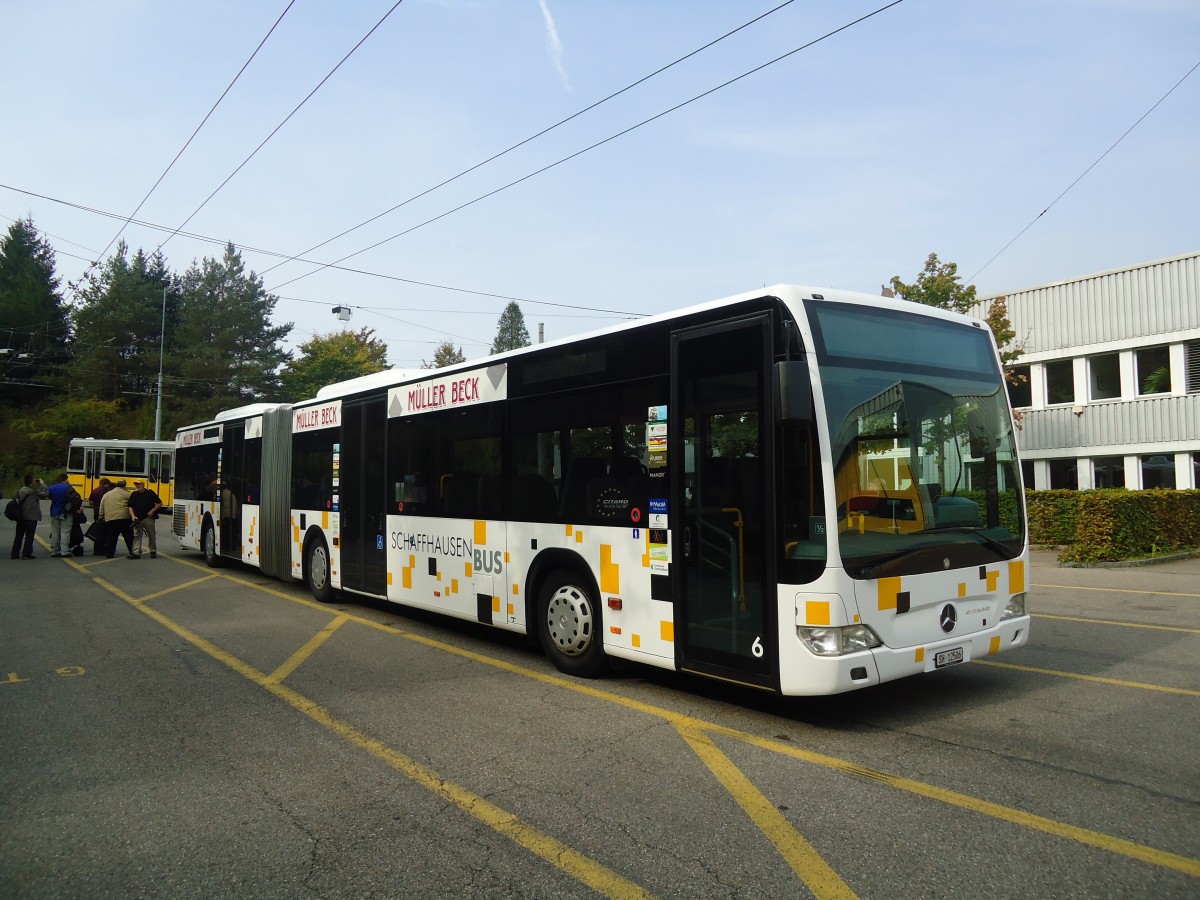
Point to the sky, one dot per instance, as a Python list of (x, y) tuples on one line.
[(942, 127)]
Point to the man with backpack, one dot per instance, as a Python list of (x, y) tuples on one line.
[(64, 500), (29, 503)]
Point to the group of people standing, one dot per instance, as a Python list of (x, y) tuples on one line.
[(117, 513), (128, 515)]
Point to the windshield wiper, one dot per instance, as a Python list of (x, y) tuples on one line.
[(973, 530), (882, 565)]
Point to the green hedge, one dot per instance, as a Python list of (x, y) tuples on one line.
[(1114, 524)]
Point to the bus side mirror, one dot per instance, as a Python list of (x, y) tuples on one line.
[(793, 391)]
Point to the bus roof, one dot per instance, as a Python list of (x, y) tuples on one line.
[(787, 292), (121, 442)]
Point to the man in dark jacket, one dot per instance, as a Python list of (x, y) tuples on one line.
[(30, 496), (144, 505), (94, 498)]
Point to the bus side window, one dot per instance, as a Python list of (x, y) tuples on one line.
[(165, 468), (152, 471)]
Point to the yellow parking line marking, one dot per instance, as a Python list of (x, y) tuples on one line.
[(1093, 678), (1117, 623), (595, 875), (307, 650), (822, 880), (1107, 590), (1120, 846), (1107, 842), (178, 587)]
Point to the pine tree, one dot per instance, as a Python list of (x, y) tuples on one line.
[(511, 333), (119, 324), (33, 316), (227, 352)]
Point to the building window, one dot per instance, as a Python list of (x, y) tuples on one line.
[(1060, 382), (1109, 471), (1064, 474), (1019, 392), (1191, 356), (1105, 376), (1154, 370), (1196, 470), (1027, 472), (1158, 472)]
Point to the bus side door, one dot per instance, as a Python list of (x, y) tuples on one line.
[(720, 452), (363, 496)]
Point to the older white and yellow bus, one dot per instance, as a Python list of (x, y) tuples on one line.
[(802, 490), (90, 459)]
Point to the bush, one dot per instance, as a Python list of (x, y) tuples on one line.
[(1054, 516), (1114, 524)]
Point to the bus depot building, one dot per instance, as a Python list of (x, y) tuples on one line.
[(1110, 395)]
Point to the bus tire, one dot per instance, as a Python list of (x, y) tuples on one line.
[(208, 545), (569, 625), (316, 570)]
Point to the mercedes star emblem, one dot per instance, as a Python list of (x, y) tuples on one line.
[(948, 618)]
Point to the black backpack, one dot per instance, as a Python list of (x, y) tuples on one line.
[(12, 511), (74, 501)]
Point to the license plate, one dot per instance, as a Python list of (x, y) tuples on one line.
[(948, 658)]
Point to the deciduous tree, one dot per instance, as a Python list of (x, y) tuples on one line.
[(446, 354), (329, 358)]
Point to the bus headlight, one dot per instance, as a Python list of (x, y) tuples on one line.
[(1015, 607), (837, 641)]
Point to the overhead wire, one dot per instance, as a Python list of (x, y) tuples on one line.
[(532, 137), (1084, 173), (188, 142), (223, 241), (597, 144), (286, 118)]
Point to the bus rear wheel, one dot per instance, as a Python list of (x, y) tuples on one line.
[(208, 546), (569, 626), (316, 570)]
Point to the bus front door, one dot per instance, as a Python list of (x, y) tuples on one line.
[(718, 450), (363, 496)]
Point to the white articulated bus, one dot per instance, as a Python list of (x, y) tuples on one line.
[(804, 491)]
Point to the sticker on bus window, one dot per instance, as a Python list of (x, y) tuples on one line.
[(657, 414)]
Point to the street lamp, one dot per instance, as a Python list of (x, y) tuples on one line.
[(161, 333)]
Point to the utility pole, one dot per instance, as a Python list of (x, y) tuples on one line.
[(161, 335)]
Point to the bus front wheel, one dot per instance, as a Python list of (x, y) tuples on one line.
[(208, 546), (569, 625), (316, 570)]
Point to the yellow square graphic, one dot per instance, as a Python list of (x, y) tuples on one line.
[(888, 589), (816, 612), (1016, 576)]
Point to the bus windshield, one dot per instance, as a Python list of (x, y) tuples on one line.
[(925, 470)]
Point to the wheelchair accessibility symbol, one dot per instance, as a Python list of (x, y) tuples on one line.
[(379, 542)]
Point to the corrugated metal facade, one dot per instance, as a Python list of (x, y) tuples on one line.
[(1165, 419), (1153, 300), (1120, 311)]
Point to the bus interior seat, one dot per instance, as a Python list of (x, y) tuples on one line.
[(583, 469), (534, 498), (459, 493), (490, 500)]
